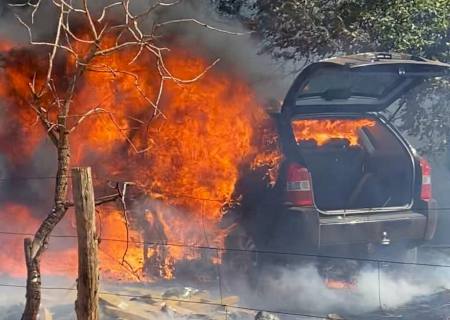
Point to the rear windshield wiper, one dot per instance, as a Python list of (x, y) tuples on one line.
[(339, 93)]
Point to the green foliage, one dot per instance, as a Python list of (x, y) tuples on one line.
[(229, 6), (302, 29), (426, 115), (420, 27), (307, 30)]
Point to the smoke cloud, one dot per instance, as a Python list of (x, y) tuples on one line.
[(303, 290), (288, 289), (238, 53)]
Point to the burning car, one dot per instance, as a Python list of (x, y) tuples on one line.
[(349, 184)]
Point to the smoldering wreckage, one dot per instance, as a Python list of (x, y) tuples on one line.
[(234, 208)]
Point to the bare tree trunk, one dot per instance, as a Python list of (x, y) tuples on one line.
[(86, 305), (37, 246), (33, 295)]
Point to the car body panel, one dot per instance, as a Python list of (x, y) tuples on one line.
[(358, 83), (414, 223)]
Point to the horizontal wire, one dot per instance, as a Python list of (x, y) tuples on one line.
[(226, 249), (181, 195), (174, 195), (25, 178), (44, 178), (214, 304), (177, 195), (236, 250)]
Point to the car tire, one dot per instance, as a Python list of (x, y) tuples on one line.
[(240, 261)]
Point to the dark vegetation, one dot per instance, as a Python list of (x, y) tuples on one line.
[(305, 31)]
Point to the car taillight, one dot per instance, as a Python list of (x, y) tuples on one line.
[(298, 185), (425, 192)]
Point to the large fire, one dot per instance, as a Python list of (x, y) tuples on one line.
[(18, 220), (323, 130), (185, 158)]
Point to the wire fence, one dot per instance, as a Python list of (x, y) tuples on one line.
[(379, 266), (445, 210), (379, 263), (181, 301), (239, 250)]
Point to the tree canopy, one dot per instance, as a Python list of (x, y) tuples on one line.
[(299, 29), (307, 30)]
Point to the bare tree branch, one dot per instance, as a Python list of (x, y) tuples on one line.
[(95, 111), (122, 194), (73, 8), (69, 32), (55, 46), (108, 69), (49, 44), (52, 103), (103, 15), (197, 77), (35, 7), (116, 48), (207, 26), (91, 22)]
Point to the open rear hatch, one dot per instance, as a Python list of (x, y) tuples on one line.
[(357, 161), (358, 83)]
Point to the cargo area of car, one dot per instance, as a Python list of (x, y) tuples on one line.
[(363, 166)]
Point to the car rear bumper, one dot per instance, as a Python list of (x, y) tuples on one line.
[(372, 228), (392, 227)]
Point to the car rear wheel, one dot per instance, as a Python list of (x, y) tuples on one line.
[(240, 261)]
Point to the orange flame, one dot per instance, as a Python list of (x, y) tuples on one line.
[(18, 220), (195, 146), (340, 284), (321, 131)]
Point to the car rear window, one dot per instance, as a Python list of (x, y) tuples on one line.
[(327, 82)]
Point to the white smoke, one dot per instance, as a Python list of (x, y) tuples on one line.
[(287, 289), (303, 290)]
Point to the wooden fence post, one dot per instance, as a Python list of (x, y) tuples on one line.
[(86, 305)]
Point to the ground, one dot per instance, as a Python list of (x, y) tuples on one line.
[(411, 292)]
